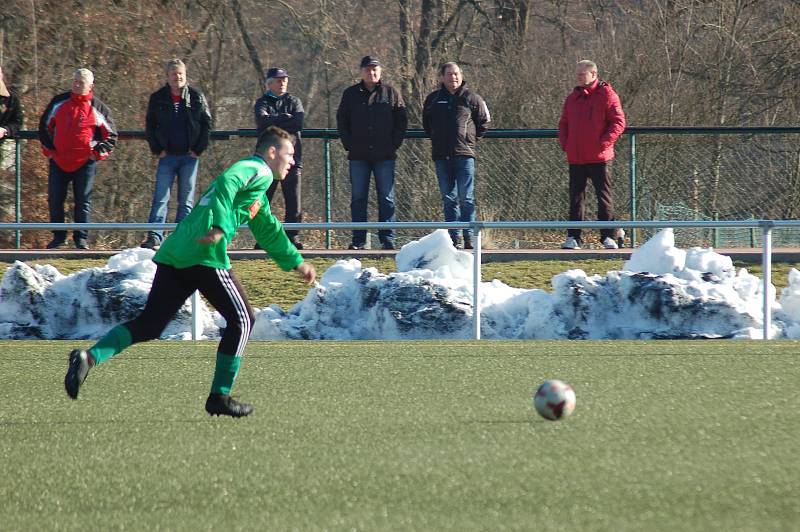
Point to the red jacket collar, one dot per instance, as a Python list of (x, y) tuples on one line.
[(81, 97), (587, 91)]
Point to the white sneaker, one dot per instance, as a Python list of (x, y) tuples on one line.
[(609, 243), (570, 243)]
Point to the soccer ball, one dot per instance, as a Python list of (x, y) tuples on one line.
[(554, 399)]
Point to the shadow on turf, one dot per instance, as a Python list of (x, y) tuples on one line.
[(106, 422)]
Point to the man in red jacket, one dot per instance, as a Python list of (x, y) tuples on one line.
[(591, 122), (75, 130)]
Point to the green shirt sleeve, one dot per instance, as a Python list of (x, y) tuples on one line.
[(270, 235)]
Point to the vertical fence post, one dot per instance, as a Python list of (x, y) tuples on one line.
[(766, 267), (476, 282), (326, 153), (632, 177), (17, 187)]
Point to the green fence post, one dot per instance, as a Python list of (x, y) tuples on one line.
[(326, 153), (632, 177), (17, 186), (715, 232)]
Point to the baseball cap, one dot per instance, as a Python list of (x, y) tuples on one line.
[(369, 60), (276, 72)]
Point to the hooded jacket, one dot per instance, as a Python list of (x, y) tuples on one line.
[(74, 127), (591, 122)]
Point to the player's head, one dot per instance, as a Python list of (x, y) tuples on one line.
[(276, 147)]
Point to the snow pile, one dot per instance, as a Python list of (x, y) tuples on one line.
[(662, 292)]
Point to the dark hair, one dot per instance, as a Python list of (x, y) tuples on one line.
[(445, 66), (272, 136)]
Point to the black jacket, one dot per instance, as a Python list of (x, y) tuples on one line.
[(372, 125), (285, 112), (10, 114), (160, 112), (454, 122)]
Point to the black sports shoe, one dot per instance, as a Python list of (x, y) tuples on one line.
[(56, 243), (81, 243), (297, 245), (468, 242), (388, 245), (76, 372), (357, 245), (218, 404)]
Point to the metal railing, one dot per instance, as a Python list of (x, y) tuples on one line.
[(766, 227), (710, 159)]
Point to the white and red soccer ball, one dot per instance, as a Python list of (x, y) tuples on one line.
[(554, 399)]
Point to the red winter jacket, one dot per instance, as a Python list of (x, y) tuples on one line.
[(74, 127), (591, 122)]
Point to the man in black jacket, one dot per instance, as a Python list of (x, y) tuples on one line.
[(178, 128), (279, 108), (455, 118), (372, 123), (10, 111)]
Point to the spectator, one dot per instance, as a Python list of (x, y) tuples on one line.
[(279, 108), (372, 123), (195, 257), (455, 118), (178, 127), (10, 111), (591, 122), (76, 131)]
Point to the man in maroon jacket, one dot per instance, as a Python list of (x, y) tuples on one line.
[(76, 131), (591, 122)]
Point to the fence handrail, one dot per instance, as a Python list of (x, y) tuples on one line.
[(320, 226), (317, 133)]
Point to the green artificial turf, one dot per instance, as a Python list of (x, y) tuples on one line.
[(669, 435)]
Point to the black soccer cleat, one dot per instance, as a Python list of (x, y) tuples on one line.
[(76, 372), (218, 404)]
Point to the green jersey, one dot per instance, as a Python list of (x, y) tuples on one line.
[(235, 197)]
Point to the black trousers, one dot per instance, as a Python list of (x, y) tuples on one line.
[(172, 286), (291, 188), (579, 175), (57, 185)]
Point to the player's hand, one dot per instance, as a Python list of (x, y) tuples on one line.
[(307, 272), (212, 237)]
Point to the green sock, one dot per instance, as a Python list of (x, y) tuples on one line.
[(225, 373), (115, 341)]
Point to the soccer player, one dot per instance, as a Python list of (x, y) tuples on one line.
[(194, 257)]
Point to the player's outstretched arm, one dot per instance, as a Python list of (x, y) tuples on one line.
[(307, 272)]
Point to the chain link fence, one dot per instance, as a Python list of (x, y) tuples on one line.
[(678, 177)]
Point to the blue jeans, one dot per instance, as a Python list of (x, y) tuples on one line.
[(384, 186), (57, 185), (457, 184), (169, 166)]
